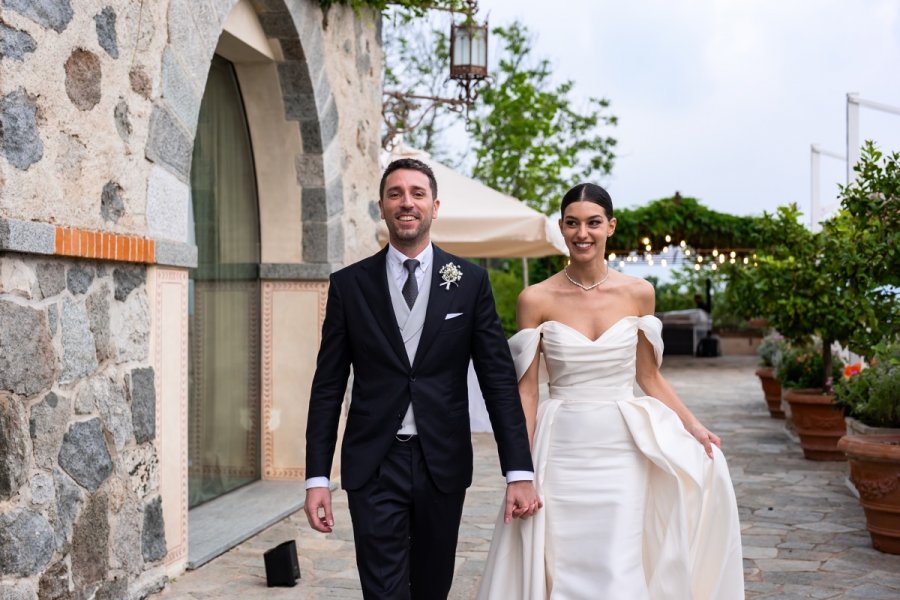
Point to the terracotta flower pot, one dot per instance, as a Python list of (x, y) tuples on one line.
[(772, 391), (875, 471), (818, 422)]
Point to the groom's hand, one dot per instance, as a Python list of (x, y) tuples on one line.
[(318, 509), (522, 501)]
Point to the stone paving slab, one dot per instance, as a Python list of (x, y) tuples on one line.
[(803, 530)]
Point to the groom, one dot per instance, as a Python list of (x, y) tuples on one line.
[(407, 320)]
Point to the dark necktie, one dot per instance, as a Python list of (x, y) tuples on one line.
[(410, 288)]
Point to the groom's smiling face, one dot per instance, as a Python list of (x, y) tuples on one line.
[(408, 208)]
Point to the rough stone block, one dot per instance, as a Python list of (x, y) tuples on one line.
[(15, 44), (18, 278), (83, 79), (334, 197), (153, 538), (127, 279), (112, 206), (315, 242), (20, 143), (294, 78), (312, 136), (116, 589), (90, 543), (329, 123), (313, 207), (97, 305), (42, 490), (109, 398), (51, 278), (79, 278), (123, 120), (68, 500), (168, 203), (25, 236), (278, 25), (56, 582), (20, 590), (310, 171), (300, 107), (130, 327), (79, 349), (84, 455), (142, 465), (143, 404), (26, 543), (169, 144), (55, 14), (47, 427), (27, 358), (105, 22), (374, 211), (179, 92), (13, 446), (125, 543), (193, 52), (176, 254)]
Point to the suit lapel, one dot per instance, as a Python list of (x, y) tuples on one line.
[(438, 303), (374, 287)]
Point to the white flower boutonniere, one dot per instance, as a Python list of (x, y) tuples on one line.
[(451, 274)]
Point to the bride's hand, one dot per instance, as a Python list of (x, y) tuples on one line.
[(704, 436)]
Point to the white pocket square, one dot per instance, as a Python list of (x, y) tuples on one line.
[(451, 316)]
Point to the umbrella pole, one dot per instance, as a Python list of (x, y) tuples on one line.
[(524, 272)]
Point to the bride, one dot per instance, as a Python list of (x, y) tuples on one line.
[(638, 502)]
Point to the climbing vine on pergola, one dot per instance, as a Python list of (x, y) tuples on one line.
[(682, 219)]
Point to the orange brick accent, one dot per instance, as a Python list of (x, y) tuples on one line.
[(104, 246)]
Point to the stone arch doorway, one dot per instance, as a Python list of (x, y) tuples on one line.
[(291, 118)]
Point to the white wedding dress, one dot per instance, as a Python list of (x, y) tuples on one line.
[(633, 506)]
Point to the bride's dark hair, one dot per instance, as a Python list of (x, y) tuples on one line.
[(589, 192)]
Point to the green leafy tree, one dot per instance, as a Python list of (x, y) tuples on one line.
[(531, 139), (417, 58), (795, 287), (863, 242)]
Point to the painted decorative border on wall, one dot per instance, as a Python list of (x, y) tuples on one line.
[(269, 289), (177, 551)]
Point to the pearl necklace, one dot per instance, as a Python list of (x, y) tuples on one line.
[(586, 288)]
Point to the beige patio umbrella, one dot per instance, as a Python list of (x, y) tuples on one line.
[(475, 220)]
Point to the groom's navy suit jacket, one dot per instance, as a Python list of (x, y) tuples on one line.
[(360, 330)]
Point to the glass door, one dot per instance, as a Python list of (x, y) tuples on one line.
[(224, 306)]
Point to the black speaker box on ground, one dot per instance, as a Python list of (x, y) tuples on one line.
[(282, 568)]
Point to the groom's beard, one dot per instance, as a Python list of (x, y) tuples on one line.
[(409, 235)]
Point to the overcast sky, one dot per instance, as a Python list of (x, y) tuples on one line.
[(721, 99)]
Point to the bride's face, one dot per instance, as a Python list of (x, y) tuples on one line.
[(585, 228)]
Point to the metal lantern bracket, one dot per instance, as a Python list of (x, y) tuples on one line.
[(468, 67)]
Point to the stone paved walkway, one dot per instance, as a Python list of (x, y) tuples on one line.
[(803, 531)]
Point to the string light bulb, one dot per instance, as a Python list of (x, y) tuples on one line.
[(668, 238), (715, 252)]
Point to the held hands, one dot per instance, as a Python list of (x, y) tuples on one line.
[(318, 509), (522, 501), (704, 436)]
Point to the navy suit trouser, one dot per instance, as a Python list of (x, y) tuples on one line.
[(405, 529)]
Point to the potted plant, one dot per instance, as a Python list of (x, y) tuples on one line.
[(872, 397), (769, 351), (817, 420)]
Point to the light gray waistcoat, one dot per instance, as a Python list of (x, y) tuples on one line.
[(411, 322)]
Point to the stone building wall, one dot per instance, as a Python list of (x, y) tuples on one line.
[(99, 102), (79, 474), (77, 84)]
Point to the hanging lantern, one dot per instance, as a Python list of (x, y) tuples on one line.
[(468, 51)]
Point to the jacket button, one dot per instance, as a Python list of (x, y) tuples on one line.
[(412, 377)]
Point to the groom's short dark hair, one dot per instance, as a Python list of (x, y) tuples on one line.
[(413, 165)]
